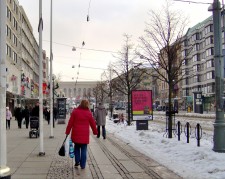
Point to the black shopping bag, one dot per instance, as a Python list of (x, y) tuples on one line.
[(62, 151)]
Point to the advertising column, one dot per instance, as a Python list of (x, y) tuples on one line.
[(61, 110)]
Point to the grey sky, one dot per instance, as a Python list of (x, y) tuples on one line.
[(109, 20)]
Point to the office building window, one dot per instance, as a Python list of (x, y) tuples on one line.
[(209, 40), (209, 52)]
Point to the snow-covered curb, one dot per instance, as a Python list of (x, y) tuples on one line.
[(187, 114)]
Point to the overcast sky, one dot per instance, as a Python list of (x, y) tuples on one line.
[(109, 20)]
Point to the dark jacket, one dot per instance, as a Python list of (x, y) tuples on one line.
[(26, 113), (35, 111), (18, 113), (80, 121)]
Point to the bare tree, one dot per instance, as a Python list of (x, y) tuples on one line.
[(161, 47), (107, 76), (99, 92), (127, 72)]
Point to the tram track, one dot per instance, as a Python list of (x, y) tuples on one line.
[(148, 166)]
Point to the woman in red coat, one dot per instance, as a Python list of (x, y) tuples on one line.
[(80, 120)]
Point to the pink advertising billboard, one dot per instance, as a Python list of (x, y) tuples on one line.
[(141, 103)]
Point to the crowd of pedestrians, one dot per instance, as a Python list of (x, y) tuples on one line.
[(22, 114)]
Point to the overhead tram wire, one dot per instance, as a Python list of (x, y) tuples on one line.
[(195, 2), (97, 50), (88, 11), (83, 44)]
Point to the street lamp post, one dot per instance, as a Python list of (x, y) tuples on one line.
[(52, 124), (219, 125), (40, 29), (4, 170)]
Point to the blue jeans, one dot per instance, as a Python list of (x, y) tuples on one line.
[(80, 151)]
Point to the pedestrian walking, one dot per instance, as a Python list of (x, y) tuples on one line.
[(100, 117), (19, 116), (8, 117), (35, 110), (55, 113), (26, 114), (48, 115), (80, 121)]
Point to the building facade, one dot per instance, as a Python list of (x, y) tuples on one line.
[(83, 89), (199, 65), (22, 58)]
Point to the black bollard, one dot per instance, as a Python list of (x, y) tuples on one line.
[(178, 130), (187, 131), (198, 133)]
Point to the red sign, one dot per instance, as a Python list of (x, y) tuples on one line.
[(44, 88), (142, 104)]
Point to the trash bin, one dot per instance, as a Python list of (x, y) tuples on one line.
[(142, 125)]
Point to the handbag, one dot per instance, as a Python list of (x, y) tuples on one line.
[(62, 149)]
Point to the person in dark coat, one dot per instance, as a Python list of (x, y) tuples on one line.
[(19, 116), (35, 110), (55, 113), (48, 115), (100, 117), (80, 121), (26, 114)]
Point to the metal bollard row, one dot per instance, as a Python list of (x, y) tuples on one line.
[(187, 131)]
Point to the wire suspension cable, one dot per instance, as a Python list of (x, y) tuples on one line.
[(195, 2)]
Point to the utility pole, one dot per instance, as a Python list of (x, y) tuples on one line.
[(40, 29), (219, 125), (51, 85), (110, 90), (4, 170)]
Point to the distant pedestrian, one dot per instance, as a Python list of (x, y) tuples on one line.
[(100, 117), (48, 115), (55, 113), (35, 110), (80, 121), (26, 114), (19, 116), (8, 117)]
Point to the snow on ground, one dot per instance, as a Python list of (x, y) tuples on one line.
[(186, 159)]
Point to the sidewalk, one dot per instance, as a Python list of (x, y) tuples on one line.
[(110, 158)]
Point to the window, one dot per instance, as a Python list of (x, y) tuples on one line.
[(196, 58), (196, 47), (209, 52), (8, 32), (210, 75), (209, 40), (209, 64), (208, 29), (195, 79), (201, 45), (14, 39), (8, 51), (194, 68)]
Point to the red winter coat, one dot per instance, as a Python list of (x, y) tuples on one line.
[(79, 122)]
